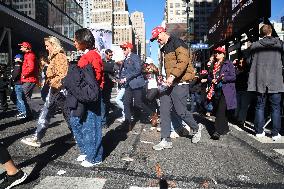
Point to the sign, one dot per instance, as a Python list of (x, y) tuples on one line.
[(200, 46)]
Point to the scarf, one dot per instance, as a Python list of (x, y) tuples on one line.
[(216, 74)]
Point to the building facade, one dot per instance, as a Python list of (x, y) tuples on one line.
[(138, 23), (87, 9)]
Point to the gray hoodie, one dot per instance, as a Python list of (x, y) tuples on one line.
[(266, 66)]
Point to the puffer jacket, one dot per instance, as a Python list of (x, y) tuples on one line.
[(29, 68), (56, 70), (177, 61)]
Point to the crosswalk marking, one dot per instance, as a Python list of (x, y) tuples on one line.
[(58, 182), (280, 151)]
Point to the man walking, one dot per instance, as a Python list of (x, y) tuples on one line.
[(179, 72), (29, 76), (266, 79), (134, 83)]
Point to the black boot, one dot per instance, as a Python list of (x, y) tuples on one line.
[(215, 136)]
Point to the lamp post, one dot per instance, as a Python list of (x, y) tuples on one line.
[(187, 22)]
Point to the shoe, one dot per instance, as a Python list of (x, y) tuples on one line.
[(85, 163), (154, 119), (277, 137), (215, 136), (21, 116), (81, 158), (260, 135), (187, 128), (163, 145), (32, 141), (174, 134), (121, 120), (13, 180), (197, 136)]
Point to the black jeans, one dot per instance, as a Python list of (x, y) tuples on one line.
[(3, 100), (175, 96), (135, 94), (221, 123), (4, 154), (28, 91)]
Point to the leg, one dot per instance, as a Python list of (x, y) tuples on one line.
[(28, 90), (20, 102), (127, 102), (3, 100), (77, 126), (165, 115), (221, 122), (119, 101), (259, 113), (138, 101), (275, 100)]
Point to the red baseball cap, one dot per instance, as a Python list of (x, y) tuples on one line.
[(156, 31), (220, 49), (26, 44), (126, 45)]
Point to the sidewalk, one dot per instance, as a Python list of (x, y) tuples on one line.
[(237, 160)]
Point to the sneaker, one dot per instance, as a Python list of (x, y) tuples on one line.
[(163, 145), (277, 137), (13, 180), (197, 136), (174, 134), (260, 135), (86, 163), (21, 116), (32, 141), (81, 158), (121, 120)]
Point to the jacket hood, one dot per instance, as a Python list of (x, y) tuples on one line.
[(268, 41)]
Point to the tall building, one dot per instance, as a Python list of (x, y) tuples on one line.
[(138, 23), (278, 29), (176, 11), (122, 28), (101, 16), (202, 10), (87, 9), (282, 21)]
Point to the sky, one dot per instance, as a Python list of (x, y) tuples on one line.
[(154, 10), (153, 14)]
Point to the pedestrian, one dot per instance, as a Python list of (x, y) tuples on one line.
[(86, 116), (179, 72), (3, 88), (223, 92), (55, 72), (109, 80), (29, 77), (16, 78), (14, 176), (134, 83), (266, 79)]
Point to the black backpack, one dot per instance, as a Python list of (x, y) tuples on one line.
[(81, 83)]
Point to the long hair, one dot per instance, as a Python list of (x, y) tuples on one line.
[(56, 45)]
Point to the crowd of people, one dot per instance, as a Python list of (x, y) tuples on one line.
[(82, 86)]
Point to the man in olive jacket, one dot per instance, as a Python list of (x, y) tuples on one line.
[(266, 79), (179, 72)]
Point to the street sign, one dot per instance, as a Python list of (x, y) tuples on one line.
[(200, 46)]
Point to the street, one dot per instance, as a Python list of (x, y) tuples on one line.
[(237, 160)]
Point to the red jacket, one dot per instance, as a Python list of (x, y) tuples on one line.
[(95, 59), (29, 68)]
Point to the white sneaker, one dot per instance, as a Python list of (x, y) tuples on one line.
[(32, 141), (174, 134), (197, 136), (81, 158), (121, 120), (163, 145), (277, 137), (260, 135), (85, 163)]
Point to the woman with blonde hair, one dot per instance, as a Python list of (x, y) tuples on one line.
[(56, 71)]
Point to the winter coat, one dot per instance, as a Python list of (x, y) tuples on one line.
[(56, 70), (133, 71), (177, 60), (228, 84), (266, 66), (29, 68), (16, 74), (3, 78)]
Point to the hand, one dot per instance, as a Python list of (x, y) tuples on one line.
[(122, 80), (203, 80), (169, 81), (214, 81)]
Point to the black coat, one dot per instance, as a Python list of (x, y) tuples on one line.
[(3, 78)]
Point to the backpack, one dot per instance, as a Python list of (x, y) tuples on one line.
[(81, 83)]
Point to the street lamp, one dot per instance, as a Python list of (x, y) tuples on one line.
[(187, 22)]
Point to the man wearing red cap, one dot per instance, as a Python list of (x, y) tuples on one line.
[(179, 72), (134, 83), (29, 76)]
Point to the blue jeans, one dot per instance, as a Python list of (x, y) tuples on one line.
[(20, 102), (275, 99), (88, 134), (195, 101), (118, 99)]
